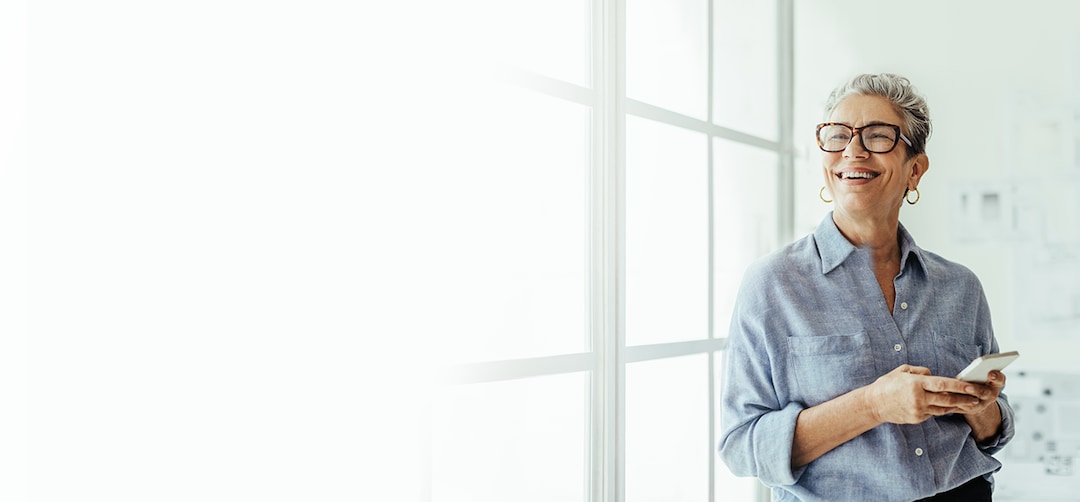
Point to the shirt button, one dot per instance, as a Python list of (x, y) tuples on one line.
[(897, 347), (918, 452), (903, 305)]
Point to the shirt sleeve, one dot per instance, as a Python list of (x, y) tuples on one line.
[(1005, 433), (1007, 429), (757, 430)]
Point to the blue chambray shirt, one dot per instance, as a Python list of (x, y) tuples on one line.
[(810, 323)]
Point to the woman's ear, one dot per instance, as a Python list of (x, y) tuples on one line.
[(919, 166)]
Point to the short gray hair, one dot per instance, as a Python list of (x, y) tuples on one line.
[(909, 104)]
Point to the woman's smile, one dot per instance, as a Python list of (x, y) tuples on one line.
[(856, 176)]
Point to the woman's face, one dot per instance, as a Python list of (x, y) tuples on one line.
[(868, 185)]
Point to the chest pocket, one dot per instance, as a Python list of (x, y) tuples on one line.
[(825, 367), (954, 354)]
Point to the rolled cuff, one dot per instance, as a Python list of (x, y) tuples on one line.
[(762, 447), (1005, 432)]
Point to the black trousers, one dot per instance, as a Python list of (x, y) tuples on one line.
[(976, 490)]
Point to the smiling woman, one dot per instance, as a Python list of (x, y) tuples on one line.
[(827, 301), (868, 178)]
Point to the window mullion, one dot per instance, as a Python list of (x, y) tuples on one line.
[(785, 48), (710, 277), (607, 246)]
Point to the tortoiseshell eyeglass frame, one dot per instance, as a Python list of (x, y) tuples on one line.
[(855, 131)]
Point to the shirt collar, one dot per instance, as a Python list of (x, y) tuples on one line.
[(908, 248), (834, 248)]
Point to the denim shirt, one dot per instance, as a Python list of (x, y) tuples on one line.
[(810, 324)]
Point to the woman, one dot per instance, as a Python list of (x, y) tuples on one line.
[(843, 346)]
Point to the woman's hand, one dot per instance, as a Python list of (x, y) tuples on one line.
[(986, 393), (911, 395), (984, 417), (905, 395)]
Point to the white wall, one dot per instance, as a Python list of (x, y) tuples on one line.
[(969, 57), (14, 252), (228, 230)]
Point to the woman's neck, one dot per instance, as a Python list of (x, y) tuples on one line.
[(881, 239), (879, 236)]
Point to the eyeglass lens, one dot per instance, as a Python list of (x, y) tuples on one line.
[(875, 138)]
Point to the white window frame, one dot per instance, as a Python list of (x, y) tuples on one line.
[(609, 355)]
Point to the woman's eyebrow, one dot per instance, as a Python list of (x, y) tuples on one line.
[(872, 122)]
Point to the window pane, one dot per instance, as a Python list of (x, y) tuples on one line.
[(550, 38), (744, 184), (744, 80), (666, 233), (667, 430), (667, 54), (521, 440), (517, 247), (728, 486)]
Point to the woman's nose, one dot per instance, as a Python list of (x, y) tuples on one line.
[(855, 148)]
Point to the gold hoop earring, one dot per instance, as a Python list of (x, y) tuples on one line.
[(821, 195), (908, 198)]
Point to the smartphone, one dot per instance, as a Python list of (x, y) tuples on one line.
[(977, 371)]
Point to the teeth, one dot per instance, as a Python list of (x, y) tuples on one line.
[(859, 175)]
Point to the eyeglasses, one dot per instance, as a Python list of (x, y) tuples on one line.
[(875, 138)]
